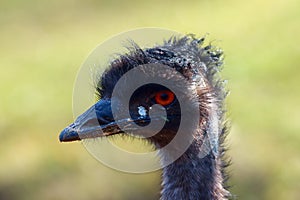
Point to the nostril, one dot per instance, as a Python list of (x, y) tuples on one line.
[(104, 120), (108, 118)]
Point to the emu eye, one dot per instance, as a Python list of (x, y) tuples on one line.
[(164, 97)]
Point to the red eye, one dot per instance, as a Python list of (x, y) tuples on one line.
[(164, 97)]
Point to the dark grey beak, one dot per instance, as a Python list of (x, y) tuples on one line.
[(97, 121)]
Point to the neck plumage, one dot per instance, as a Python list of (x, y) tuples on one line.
[(193, 177)]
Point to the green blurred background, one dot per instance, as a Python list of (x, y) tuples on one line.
[(43, 43)]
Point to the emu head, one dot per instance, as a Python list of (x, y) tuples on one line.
[(195, 67)]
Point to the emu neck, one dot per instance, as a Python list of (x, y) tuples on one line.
[(191, 177)]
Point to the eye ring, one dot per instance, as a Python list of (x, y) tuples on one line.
[(164, 97)]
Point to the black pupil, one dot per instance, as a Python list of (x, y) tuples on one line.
[(164, 96)]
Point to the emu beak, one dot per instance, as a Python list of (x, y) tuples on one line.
[(97, 121)]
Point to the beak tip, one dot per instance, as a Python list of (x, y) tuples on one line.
[(61, 136), (68, 135)]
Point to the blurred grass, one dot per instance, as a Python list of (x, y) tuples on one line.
[(43, 43)]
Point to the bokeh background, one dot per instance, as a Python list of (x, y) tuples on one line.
[(43, 43)]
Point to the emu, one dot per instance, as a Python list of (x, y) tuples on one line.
[(190, 176)]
